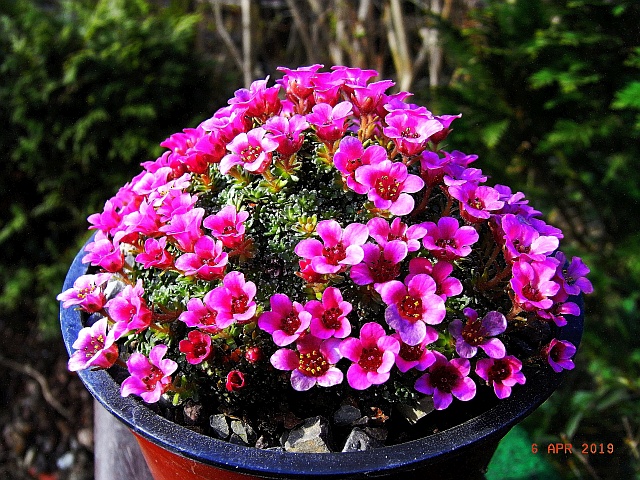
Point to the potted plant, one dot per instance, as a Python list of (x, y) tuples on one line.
[(309, 272)]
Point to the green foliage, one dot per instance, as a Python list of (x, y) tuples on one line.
[(550, 98), (88, 92)]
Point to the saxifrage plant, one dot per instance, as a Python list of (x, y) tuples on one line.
[(313, 245)]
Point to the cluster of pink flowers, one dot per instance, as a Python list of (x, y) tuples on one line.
[(424, 216)]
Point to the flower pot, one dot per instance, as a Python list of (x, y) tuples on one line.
[(173, 451)]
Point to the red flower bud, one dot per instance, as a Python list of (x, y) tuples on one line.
[(235, 380)]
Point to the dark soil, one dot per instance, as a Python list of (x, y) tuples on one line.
[(46, 414)]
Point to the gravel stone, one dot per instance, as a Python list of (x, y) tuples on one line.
[(358, 440), (311, 437), (220, 426), (346, 415)]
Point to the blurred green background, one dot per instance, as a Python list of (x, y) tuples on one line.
[(550, 96)]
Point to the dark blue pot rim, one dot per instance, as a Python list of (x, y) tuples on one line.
[(490, 425)]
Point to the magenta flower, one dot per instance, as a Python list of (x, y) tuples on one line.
[(432, 167), (476, 202), (373, 355), (329, 317), (104, 252), (86, 293), (312, 364), (150, 377), (330, 123), (558, 354), (416, 356), (233, 300), (446, 286), (383, 233), (501, 373), (196, 347), (410, 130), (412, 306), (379, 264), (389, 185), (479, 333), (208, 261), (366, 98), (108, 220), (351, 155), (560, 308), (129, 311), (340, 248), (94, 348), (573, 277), (235, 381), (448, 240), (523, 241), (250, 150), (446, 379), (533, 285), (286, 321), (227, 225), (185, 228), (201, 315), (446, 121), (288, 132), (297, 83), (258, 101), (155, 254), (195, 148)]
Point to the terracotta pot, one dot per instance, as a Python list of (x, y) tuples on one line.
[(175, 452)]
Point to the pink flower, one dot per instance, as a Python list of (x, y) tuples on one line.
[(150, 377), (185, 228), (312, 364), (288, 132), (447, 240), (107, 221), (298, 83), (446, 121), (432, 167), (416, 356), (201, 315), (351, 155), (410, 130), (329, 317), (227, 225), (558, 354), (104, 252), (286, 321), (479, 333), (196, 347), (501, 373), (340, 248), (379, 264), (233, 300), (523, 241), (195, 148), (86, 293), (373, 355), (259, 101), (94, 348), (560, 308), (235, 381), (412, 306), (476, 202), (366, 99), (250, 150), (208, 261), (330, 123), (533, 285), (129, 311), (389, 185), (382, 233), (447, 379), (155, 254)]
